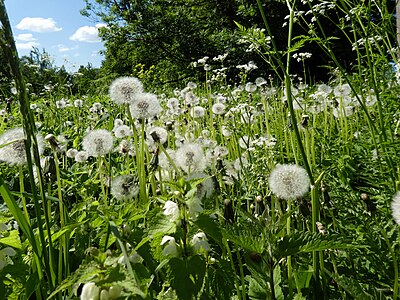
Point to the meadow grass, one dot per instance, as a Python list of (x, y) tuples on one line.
[(274, 189)]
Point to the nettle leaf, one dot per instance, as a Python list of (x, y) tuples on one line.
[(11, 239), (210, 227), (302, 242), (187, 275), (245, 236), (159, 225), (352, 287), (221, 279)]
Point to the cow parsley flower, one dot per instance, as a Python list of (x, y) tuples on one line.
[(145, 106), (124, 90), (289, 181), (98, 142), (124, 187)]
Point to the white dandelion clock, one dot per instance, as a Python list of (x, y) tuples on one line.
[(396, 207), (81, 156), (289, 181), (190, 157), (122, 131), (218, 108), (197, 112), (145, 106), (124, 90), (12, 146), (98, 142), (157, 135), (124, 187)]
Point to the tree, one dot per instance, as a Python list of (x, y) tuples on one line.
[(165, 36)]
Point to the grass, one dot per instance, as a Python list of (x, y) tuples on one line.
[(205, 191)]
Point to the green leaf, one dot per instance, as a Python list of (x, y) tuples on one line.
[(187, 276), (302, 242), (210, 227), (246, 237), (19, 216), (12, 240)]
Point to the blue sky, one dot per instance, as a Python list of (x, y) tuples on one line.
[(58, 27)]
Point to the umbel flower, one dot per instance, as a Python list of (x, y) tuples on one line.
[(124, 187), (146, 105), (98, 142), (289, 181), (12, 146), (124, 90)]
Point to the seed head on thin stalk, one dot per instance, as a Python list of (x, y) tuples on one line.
[(12, 146), (98, 142), (124, 90), (289, 181)]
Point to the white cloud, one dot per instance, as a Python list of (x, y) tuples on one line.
[(25, 37), (27, 45), (25, 41), (63, 48), (88, 34), (38, 25)]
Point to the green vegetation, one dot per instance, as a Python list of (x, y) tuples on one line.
[(241, 180)]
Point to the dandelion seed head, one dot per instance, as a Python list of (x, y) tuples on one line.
[(122, 131), (145, 106), (14, 152), (71, 153), (98, 142), (190, 158), (289, 181), (197, 112), (124, 187), (218, 108), (124, 90), (395, 205), (250, 87), (81, 156), (157, 134)]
